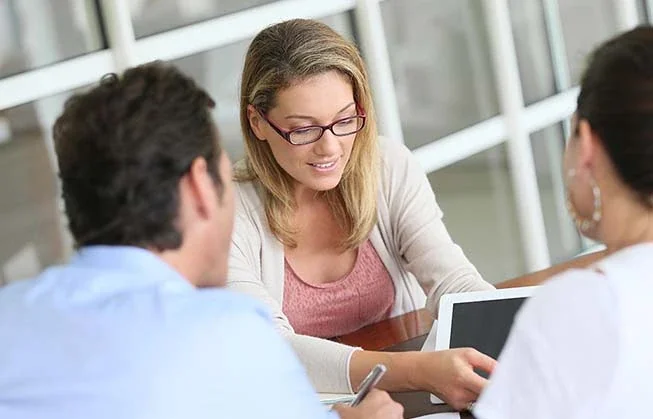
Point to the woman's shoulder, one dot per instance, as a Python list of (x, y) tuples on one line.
[(628, 271), (400, 170), (626, 262), (393, 151), (570, 295)]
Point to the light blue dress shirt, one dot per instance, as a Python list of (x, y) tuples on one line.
[(119, 334)]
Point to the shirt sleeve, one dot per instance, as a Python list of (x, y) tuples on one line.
[(420, 236), (561, 353)]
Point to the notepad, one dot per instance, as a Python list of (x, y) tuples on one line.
[(335, 398), (441, 416)]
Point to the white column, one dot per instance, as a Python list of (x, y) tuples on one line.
[(568, 233), (626, 13), (483, 90), (375, 49), (5, 130), (120, 30), (520, 154), (648, 4), (40, 48)]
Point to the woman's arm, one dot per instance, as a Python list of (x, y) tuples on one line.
[(448, 374), (419, 234), (337, 368)]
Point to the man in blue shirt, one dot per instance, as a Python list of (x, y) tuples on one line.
[(137, 324)]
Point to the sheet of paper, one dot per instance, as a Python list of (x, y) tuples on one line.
[(447, 415), (333, 398)]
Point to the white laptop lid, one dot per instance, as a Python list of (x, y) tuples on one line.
[(479, 319)]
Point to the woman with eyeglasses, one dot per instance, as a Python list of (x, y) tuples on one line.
[(337, 228), (582, 347)]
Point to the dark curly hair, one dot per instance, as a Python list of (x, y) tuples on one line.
[(122, 149)]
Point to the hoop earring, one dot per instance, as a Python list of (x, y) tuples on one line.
[(582, 223)]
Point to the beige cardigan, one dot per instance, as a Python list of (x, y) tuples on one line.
[(409, 237)]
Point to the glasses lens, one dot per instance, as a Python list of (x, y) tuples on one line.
[(348, 126), (305, 135)]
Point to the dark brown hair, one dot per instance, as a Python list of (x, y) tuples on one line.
[(122, 149), (616, 98)]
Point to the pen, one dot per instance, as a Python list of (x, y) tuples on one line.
[(369, 383)]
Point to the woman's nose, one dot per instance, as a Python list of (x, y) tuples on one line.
[(327, 145)]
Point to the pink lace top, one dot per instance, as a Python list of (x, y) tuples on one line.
[(363, 296)]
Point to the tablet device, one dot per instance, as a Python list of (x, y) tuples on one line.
[(479, 319)]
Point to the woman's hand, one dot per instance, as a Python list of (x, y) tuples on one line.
[(376, 405), (447, 374), (450, 374)]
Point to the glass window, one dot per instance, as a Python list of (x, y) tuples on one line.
[(440, 59), (585, 24), (218, 70), (31, 221), (36, 33), (548, 148), (157, 16), (642, 11), (532, 48), (553, 39), (477, 198)]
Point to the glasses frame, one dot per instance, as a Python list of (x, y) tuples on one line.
[(286, 134)]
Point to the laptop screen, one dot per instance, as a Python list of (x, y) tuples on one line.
[(483, 325)]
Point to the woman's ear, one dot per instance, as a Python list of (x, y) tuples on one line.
[(256, 122), (587, 145)]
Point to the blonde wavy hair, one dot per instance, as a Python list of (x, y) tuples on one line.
[(281, 56)]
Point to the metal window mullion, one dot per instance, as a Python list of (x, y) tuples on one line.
[(234, 27), (626, 14), (374, 47), (648, 5), (120, 30), (491, 132), (461, 144), (554, 148), (520, 153), (56, 78)]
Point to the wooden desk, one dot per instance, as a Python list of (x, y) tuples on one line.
[(384, 334), (403, 333)]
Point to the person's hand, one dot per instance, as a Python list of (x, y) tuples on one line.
[(450, 375), (376, 405)]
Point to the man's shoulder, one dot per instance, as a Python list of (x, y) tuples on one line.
[(234, 325), (19, 289), (218, 303)]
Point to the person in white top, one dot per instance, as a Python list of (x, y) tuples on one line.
[(582, 346)]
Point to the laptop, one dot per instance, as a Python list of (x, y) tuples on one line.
[(479, 319)]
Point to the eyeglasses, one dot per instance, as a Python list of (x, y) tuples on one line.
[(312, 133)]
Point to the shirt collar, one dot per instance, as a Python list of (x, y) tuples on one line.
[(137, 261)]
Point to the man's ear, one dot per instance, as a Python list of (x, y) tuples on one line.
[(256, 122), (202, 188)]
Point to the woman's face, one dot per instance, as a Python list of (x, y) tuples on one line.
[(318, 100)]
